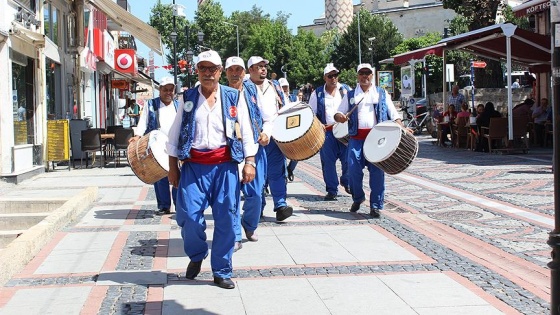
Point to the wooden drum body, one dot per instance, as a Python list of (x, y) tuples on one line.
[(147, 157), (390, 147), (298, 133), (340, 132)]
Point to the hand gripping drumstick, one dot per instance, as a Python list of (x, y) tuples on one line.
[(353, 109)]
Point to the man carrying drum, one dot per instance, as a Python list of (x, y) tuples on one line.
[(270, 94), (363, 108), (206, 137), (253, 191), (324, 102), (159, 115)]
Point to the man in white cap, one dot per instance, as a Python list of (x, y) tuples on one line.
[(324, 102), (374, 106), (285, 85), (252, 206), (159, 114), (271, 96), (206, 138)]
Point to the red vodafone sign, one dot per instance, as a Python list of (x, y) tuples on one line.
[(479, 64), (125, 61)]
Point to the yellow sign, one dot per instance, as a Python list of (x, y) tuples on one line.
[(20, 132), (119, 84), (58, 140)]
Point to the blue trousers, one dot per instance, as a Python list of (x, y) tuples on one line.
[(163, 196), (253, 192), (202, 186), (356, 164), (331, 151), (292, 165), (276, 174)]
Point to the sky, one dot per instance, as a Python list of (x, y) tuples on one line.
[(302, 12)]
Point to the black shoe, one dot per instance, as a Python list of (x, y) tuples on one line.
[(290, 175), (193, 269), (282, 213), (374, 213), (163, 211), (224, 283), (347, 190), (356, 206), (330, 197)]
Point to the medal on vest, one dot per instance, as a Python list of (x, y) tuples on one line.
[(233, 112), (188, 106)]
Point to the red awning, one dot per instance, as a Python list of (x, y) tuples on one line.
[(418, 54), (531, 7), (527, 48)]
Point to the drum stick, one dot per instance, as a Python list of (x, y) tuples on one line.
[(353, 109)]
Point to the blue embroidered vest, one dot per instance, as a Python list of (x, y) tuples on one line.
[(320, 92), (229, 98), (250, 93), (279, 91), (153, 107), (380, 110)]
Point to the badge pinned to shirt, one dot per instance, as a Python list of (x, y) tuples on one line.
[(253, 99), (189, 106), (352, 100), (319, 94), (233, 112)]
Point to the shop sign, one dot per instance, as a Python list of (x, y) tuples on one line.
[(119, 84), (125, 61)]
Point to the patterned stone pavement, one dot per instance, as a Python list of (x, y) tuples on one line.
[(484, 219)]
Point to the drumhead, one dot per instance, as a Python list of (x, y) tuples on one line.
[(382, 141), (340, 130), (292, 124), (156, 144)]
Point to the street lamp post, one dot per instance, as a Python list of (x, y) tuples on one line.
[(189, 62), (237, 35), (200, 36), (371, 39), (359, 35), (173, 37)]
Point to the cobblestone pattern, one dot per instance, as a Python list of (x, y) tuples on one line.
[(32, 282), (147, 214), (491, 282), (124, 300), (139, 251), (74, 229)]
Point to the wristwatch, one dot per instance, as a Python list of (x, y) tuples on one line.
[(253, 164)]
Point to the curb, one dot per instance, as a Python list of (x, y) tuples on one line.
[(21, 250)]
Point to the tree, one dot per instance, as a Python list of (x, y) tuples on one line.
[(307, 59)]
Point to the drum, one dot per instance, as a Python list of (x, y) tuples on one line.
[(298, 133), (340, 132), (147, 157), (390, 147)]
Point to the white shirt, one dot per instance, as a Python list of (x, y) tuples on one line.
[(166, 117), (331, 103), (366, 112), (266, 101), (250, 148), (209, 131)]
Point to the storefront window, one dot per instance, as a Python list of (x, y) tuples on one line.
[(51, 22), (51, 73), (23, 102)]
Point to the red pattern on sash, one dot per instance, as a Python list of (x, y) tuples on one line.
[(216, 156), (329, 128), (361, 135)]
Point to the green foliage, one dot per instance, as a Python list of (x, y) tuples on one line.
[(307, 59)]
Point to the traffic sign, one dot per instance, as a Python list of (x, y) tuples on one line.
[(479, 64)]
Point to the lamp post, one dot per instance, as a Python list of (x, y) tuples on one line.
[(371, 39), (237, 34), (189, 62), (359, 39), (173, 37)]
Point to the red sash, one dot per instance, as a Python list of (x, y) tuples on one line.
[(216, 156), (328, 128), (361, 135)]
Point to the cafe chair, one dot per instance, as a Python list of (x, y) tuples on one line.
[(91, 143), (121, 142), (461, 131), (497, 130)]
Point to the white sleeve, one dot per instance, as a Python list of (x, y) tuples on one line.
[(249, 146), (143, 121), (313, 102), (343, 107), (391, 109), (175, 132), (268, 114)]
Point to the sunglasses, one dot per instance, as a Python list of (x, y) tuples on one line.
[(364, 73), (210, 69), (334, 75)]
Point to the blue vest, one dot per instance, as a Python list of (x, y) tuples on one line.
[(293, 98), (250, 93), (380, 110), (229, 98), (279, 91), (153, 107), (320, 93)]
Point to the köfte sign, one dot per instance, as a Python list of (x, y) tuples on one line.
[(125, 61), (530, 8)]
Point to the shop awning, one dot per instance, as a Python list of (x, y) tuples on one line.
[(32, 37), (140, 78), (131, 24), (531, 7), (527, 48), (418, 54)]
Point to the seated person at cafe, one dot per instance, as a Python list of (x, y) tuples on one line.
[(483, 120), (448, 118), (464, 113), (523, 109), (540, 116), (479, 110)]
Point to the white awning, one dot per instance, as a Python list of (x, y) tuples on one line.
[(51, 50), (32, 37), (131, 24)]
